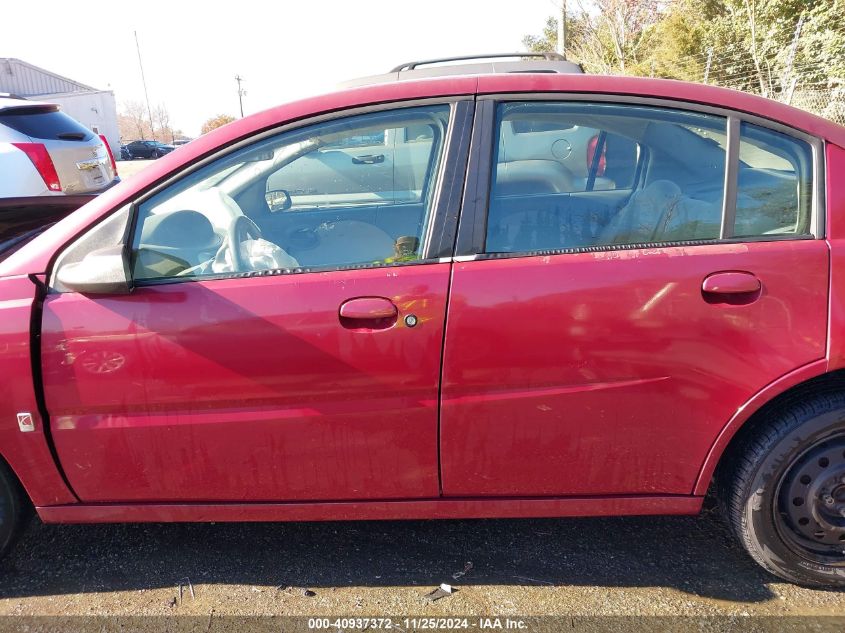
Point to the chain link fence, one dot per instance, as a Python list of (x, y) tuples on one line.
[(826, 102)]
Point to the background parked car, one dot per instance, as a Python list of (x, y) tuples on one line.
[(124, 152), (44, 151), (148, 149)]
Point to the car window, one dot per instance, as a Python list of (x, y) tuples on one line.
[(45, 123), (573, 175), (774, 184), (350, 191), (545, 137), (375, 167)]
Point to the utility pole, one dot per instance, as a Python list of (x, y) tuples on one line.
[(561, 30), (709, 61), (241, 93), (144, 82)]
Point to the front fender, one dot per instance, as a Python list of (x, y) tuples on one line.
[(27, 453)]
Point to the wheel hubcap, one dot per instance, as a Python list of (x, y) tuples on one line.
[(811, 502)]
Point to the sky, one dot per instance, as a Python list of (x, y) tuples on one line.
[(284, 50)]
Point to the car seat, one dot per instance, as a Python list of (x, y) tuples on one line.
[(661, 213)]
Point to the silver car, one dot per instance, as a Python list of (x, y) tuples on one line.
[(43, 151)]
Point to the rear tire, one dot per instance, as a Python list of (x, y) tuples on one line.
[(785, 493), (12, 509)]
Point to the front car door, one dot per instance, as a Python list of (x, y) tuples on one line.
[(269, 350), (602, 329)]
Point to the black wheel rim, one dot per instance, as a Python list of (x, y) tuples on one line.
[(810, 504)]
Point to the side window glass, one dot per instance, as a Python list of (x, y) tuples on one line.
[(774, 183), (573, 175), (344, 192)]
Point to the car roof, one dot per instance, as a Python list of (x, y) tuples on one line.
[(35, 256)]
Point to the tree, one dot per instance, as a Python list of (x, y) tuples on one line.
[(678, 42), (547, 42), (820, 58), (616, 35), (132, 121), (751, 44), (215, 122), (605, 36), (165, 132)]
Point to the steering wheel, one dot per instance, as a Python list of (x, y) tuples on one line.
[(241, 229)]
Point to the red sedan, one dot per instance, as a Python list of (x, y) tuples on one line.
[(502, 295)]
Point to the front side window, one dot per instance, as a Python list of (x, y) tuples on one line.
[(351, 191), (576, 175)]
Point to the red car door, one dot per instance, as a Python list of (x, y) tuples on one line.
[(599, 338), (267, 379)]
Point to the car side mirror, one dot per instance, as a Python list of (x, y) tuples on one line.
[(278, 200), (103, 272)]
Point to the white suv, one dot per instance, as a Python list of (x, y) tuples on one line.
[(43, 151)]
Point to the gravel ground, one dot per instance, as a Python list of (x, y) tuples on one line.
[(128, 168), (612, 566)]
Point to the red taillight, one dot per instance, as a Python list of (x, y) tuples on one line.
[(591, 153), (37, 153), (108, 149)]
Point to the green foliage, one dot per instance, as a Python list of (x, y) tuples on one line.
[(821, 56), (547, 41), (749, 42)]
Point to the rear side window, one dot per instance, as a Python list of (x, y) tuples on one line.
[(573, 175), (45, 124), (774, 183), (576, 175)]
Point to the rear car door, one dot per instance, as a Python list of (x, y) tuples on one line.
[(600, 337), (270, 378)]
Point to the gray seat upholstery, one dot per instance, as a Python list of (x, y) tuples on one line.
[(523, 177), (661, 213)]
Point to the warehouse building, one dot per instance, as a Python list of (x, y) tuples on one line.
[(95, 109)]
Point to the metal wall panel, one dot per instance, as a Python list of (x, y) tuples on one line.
[(26, 80)]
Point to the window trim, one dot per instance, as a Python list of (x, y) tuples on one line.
[(446, 196), (731, 184), (472, 230)]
